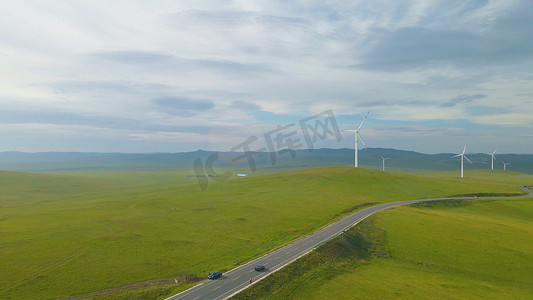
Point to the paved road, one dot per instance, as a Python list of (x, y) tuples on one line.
[(237, 279)]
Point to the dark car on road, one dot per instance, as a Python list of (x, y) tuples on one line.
[(259, 268), (214, 275)]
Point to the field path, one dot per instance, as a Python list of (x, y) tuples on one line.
[(63, 261), (121, 288)]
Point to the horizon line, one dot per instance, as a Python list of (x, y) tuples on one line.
[(213, 151)]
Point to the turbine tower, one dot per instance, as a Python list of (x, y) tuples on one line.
[(463, 156), (358, 136), (384, 159), (492, 158), (505, 165)]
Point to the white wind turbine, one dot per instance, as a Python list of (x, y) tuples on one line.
[(462, 155), (384, 159), (358, 136), (492, 158), (505, 165)]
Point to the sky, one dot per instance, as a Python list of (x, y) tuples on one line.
[(176, 76)]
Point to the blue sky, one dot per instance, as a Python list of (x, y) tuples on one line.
[(172, 76)]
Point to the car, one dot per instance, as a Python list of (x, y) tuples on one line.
[(259, 268), (214, 275)]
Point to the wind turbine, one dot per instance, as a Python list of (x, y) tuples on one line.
[(462, 155), (505, 165), (358, 136), (384, 159), (492, 158)]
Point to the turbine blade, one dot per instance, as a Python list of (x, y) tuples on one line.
[(456, 155), (464, 149), (468, 160), (361, 139), (381, 156), (361, 125)]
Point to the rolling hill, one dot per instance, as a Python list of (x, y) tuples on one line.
[(64, 235), (370, 158)]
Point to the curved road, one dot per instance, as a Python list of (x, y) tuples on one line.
[(236, 280)]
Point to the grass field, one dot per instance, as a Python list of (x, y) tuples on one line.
[(81, 232), (479, 249)]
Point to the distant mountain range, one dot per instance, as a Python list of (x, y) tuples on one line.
[(369, 158)]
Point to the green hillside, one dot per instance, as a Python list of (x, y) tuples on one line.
[(64, 235), (478, 249)]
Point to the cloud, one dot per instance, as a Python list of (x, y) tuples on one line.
[(252, 33), (486, 110), (109, 86), (49, 116), (231, 67), (151, 69), (134, 57), (225, 19), (393, 102), (509, 119), (503, 41), (182, 105), (155, 61), (464, 81), (244, 105), (462, 99), (409, 48)]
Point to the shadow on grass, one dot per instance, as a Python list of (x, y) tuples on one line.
[(489, 195), (152, 289), (443, 203), (355, 208)]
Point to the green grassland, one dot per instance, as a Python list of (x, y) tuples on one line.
[(80, 232), (477, 249)]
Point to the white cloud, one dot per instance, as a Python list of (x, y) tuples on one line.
[(515, 119), (407, 61)]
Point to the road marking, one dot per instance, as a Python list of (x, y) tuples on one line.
[(217, 288), (236, 278)]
